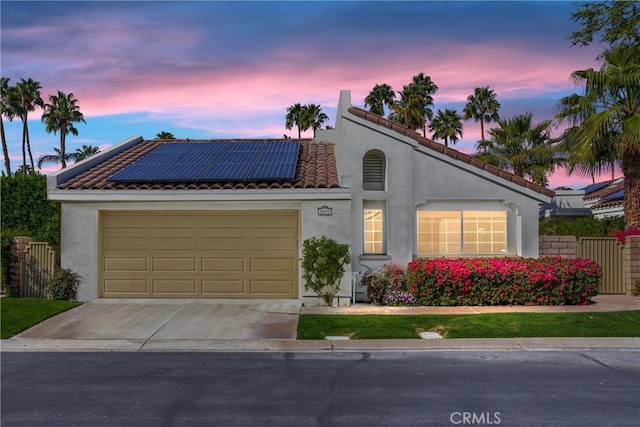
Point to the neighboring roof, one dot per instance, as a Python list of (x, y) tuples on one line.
[(609, 188), (612, 200), (316, 169), (454, 154)]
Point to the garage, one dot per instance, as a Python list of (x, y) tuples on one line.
[(198, 254)]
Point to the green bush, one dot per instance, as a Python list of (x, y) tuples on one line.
[(581, 227), (25, 211), (63, 285), (323, 262), (503, 281)]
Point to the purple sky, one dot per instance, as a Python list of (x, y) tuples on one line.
[(211, 69)]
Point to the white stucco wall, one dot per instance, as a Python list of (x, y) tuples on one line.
[(417, 176), (80, 229)]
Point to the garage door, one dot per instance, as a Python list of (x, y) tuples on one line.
[(198, 254)]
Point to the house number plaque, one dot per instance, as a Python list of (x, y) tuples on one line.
[(325, 211)]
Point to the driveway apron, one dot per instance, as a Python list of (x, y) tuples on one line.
[(172, 319)]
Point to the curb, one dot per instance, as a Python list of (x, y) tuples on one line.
[(321, 346)]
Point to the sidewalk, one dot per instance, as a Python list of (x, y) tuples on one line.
[(156, 342), (601, 303)]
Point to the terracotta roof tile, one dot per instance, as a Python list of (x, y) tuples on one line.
[(316, 169), (455, 154)]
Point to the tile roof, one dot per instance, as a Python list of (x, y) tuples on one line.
[(454, 154), (316, 169)]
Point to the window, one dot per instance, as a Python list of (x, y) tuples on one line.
[(373, 170), (462, 232), (374, 226)]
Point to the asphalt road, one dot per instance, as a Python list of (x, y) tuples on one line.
[(510, 388)]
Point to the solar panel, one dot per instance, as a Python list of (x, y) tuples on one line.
[(617, 195), (215, 161), (595, 187)]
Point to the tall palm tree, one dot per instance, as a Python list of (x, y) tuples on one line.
[(7, 111), (408, 111), (447, 126), (482, 107), (525, 148), (60, 114), (422, 87), (608, 114), (295, 117), (26, 98), (314, 117), (380, 96)]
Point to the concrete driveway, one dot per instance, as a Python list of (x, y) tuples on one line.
[(172, 319)]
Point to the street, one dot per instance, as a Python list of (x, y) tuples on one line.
[(439, 388)]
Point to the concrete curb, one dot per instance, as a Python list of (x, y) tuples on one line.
[(321, 346)]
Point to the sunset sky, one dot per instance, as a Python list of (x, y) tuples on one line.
[(210, 69)]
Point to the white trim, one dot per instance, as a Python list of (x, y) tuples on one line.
[(197, 195)]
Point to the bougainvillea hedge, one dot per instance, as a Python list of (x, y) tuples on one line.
[(503, 281)]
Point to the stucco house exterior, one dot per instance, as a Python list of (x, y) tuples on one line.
[(384, 189)]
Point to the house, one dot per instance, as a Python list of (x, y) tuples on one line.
[(567, 204), (213, 219), (605, 199)]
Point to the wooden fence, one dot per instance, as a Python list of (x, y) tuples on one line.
[(38, 262)]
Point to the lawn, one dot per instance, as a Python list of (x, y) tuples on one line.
[(18, 314), (495, 325)]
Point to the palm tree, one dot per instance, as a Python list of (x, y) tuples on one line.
[(408, 111), (525, 148), (55, 158), (608, 115), (80, 154), (165, 135), (600, 158), (422, 87), (26, 98), (380, 96), (447, 126), (84, 152), (295, 117), (314, 117), (482, 107), (5, 111), (60, 115)]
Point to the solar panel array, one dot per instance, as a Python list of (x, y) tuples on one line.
[(215, 161)]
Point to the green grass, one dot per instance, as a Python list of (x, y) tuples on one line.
[(496, 325), (18, 314)]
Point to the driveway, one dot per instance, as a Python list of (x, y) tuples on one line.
[(172, 319)]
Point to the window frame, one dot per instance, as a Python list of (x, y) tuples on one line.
[(499, 247), (377, 205)]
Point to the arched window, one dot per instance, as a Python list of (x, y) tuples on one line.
[(373, 170)]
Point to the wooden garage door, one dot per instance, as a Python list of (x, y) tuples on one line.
[(198, 254)]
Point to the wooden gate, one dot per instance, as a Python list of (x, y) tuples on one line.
[(37, 265), (609, 253)]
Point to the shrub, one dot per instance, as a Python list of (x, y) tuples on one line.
[(622, 235), (63, 285), (503, 281), (323, 262), (389, 277), (581, 227)]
